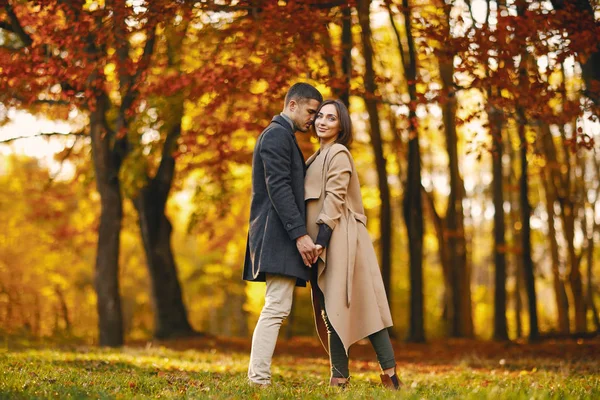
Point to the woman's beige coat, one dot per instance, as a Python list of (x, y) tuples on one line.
[(348, 272)]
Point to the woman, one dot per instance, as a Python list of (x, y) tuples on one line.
[(347, 287)]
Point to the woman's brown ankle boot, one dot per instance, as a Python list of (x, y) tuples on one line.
[(339, 382), (391, 382)]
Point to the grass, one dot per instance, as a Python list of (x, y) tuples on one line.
[(216, 369)]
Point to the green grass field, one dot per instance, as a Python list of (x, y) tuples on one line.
[(216, 369)]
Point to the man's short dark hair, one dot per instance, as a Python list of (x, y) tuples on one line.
[(302, 91)]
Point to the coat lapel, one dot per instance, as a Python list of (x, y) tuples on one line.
[(278, 119), (313, 183)]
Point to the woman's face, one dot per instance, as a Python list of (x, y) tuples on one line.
[(327, 124)]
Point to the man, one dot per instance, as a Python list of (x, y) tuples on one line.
[(279, 250)]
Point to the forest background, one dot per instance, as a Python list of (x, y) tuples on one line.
[(127, 134)]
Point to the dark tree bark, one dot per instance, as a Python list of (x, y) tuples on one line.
[(106, 281), (500, 323), (412, 202), (528, 267), (377, 144), (496, 120), (170, 314), (413, 205)]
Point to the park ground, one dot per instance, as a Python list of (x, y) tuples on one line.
[(215, 368)]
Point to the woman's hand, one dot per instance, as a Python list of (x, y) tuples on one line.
[(319, 249)]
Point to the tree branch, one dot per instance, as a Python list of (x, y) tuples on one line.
[(16, 26), (53, 177), (43, 134), (166, 169), (147, 55)]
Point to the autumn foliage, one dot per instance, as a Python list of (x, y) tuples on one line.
[(476, 132)]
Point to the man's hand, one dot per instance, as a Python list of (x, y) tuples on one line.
[(307, 249)]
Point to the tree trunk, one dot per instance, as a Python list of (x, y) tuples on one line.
[(562, 189), (575, 281), (590, 251), (438, 224), (64, 309), (560, 293), (517, 259), (106, 280), (346, 53), (590, 270), (461, 323), (412, 202), (500, 323), (377, 144), (528, 267), (170, 314)]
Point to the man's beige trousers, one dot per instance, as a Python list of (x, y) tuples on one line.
[(278, 304)]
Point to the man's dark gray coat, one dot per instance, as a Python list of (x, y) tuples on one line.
[(277, 211)]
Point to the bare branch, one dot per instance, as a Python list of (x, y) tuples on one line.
[(52, 178), (43, 134)]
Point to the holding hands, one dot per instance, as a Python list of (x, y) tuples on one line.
[(308, 250)]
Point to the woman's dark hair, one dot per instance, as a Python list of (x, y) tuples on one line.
[(345, 135)]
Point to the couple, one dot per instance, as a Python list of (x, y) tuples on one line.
[(307, 222)]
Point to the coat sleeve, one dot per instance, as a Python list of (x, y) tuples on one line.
[(337, 179), (275, 151)]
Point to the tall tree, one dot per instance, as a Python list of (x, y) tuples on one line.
[(500, 324), (170, 314), (549, 176), (412, 201), (77, 69), (521, 100), (370, 98), (461, 317)]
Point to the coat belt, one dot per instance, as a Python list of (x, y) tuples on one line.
[(352, 241)]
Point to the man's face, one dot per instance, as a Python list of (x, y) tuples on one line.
[(303, 113)]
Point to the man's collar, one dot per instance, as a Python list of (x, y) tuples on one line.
[(289, 120)]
